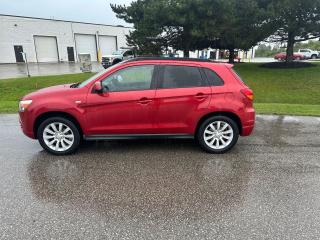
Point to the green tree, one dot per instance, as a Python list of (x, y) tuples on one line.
[(189, 25), (161, 23), (264, 50), (297, 21), (312, 44), (145, 36), (243, 25)]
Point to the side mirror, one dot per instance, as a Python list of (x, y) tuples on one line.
[(97, 87)]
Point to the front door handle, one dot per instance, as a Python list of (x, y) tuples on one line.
[(144, 100)]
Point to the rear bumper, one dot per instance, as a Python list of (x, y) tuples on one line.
[(248, 121), (247, 130)]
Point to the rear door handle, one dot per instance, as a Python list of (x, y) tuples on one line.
[(200, 96), (144, 100)]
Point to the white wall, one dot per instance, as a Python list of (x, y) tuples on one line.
[(20, 31)]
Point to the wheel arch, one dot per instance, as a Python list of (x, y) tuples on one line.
[(47, 115), (231, 115)]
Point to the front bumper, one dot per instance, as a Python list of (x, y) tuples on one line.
[(106, 62), (26, 124)]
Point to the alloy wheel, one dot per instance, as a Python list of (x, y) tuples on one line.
[(218, 135), (58, 136)]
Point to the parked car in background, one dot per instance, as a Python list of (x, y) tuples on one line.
[(282, 56), (116, 57), (143, 98), (308, 53)]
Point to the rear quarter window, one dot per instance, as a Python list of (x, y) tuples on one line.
[(213, 77)]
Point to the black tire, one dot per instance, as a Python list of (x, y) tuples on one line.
[(314, 56), (233, 140), (75, 131)]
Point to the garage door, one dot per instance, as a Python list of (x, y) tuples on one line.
[(86, 44), (46, 49), (108, 44)]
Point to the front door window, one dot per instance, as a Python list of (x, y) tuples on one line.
[(130, 79)]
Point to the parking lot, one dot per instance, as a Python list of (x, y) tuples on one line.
[(267, 187), (40, 69)]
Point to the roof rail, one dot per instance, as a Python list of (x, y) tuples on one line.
[(169, 59)]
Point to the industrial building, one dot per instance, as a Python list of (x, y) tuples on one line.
[(51, 40)]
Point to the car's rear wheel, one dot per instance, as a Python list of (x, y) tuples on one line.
[(218, 134), (58, 136), (314, 56)]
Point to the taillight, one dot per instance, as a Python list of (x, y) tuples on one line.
[(248, 93)]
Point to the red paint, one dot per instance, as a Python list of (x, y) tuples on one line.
[(157, 111)]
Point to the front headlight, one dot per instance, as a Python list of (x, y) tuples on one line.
[(24, 104)]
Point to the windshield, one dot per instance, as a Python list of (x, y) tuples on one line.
[(82, 84), (119, 52)]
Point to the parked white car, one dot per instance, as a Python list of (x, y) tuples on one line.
[(308, 53)]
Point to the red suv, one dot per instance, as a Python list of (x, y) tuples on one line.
[(143, 98)]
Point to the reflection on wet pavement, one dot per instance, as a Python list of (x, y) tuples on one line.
[(266, 187)]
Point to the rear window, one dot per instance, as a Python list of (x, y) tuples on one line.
[(213, 78)]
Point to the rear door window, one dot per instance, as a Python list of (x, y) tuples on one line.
[(181, 77)]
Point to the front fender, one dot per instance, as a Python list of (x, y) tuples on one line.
[(71, 108)]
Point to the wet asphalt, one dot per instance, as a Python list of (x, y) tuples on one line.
[(267, 187), (42, 69)]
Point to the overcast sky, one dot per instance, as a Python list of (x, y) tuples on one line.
[(95, 11)]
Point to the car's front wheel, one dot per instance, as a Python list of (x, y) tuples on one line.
[(58, 136), (218, 134)]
